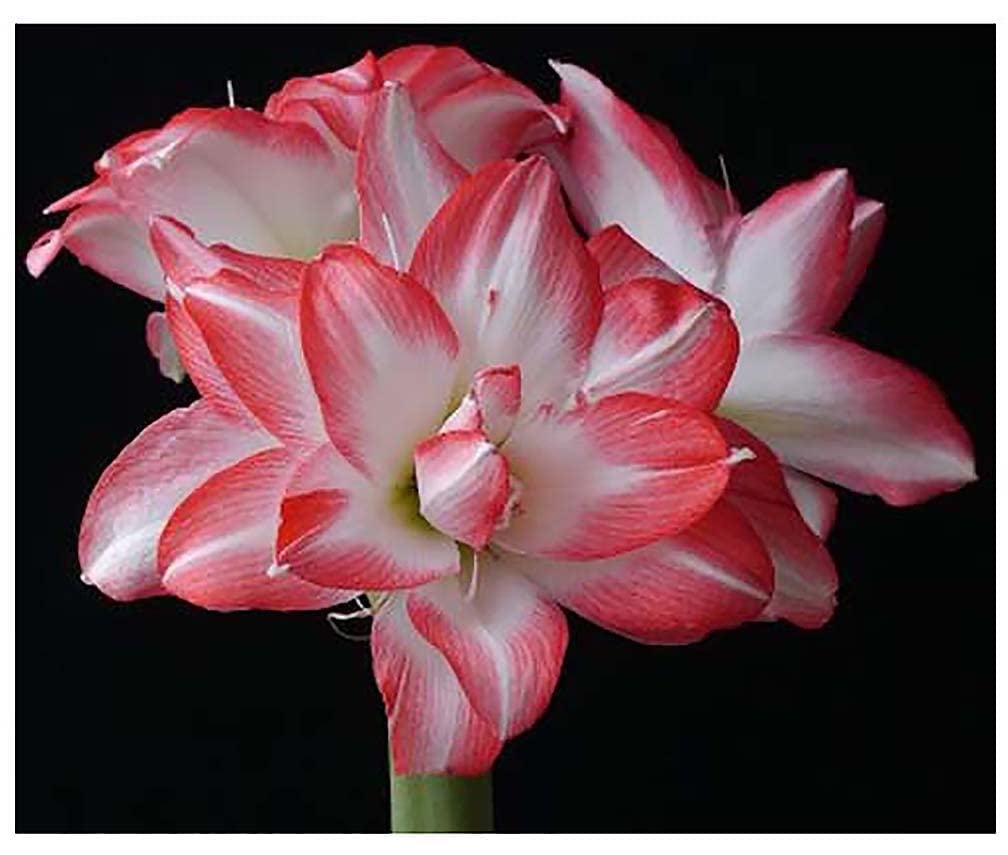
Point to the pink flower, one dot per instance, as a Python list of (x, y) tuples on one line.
[(828, 408), (280, 183)]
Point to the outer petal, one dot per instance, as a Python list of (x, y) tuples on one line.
[(462, 481), (616, 169), (845, 414), (217, 550), (663, 339), (340, 530), (433, 728), (513, 276), (403, 176), (611, 476), (805, 580), (505, 644), (382, 357), (866, 232), (787, 256), (162, 347), (816, 502), (431, 72), (138, 492), (714, 575), (106, 239), (620, 258)]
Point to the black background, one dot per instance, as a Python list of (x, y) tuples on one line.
[(159, 716)]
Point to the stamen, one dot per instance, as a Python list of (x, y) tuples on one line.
[(470, 593), (230, 93), (737, 455), (724, 175), (334, 619), (387, 225)]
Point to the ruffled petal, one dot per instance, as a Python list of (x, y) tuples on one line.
[(616, 169), (510, 271), (611, 476), (433, 728), (403, 176), (805, 579), (140, 489), (847, 415), (505, 643), (663, 339), (787, 256), (340, 530), (715, 575), (217, 549), (382, 357)]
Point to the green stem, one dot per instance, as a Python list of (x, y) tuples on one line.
[(441, 803)]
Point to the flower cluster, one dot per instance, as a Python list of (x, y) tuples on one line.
[(425, 390)]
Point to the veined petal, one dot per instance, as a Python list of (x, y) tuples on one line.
[(805, 579), (816, 502), (462, 481), (866, 232), (663, 339), (433, 728), (217, 549), (104, 238), (431, 72), (714, 575), (616, 169), (340, 530), (611, 476), (382, 357), (787, 256), (403, 176), (620, 258), (140, 489), (847, 415), (505, 643), (507, 266)]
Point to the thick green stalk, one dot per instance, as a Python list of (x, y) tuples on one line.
[(441, 803)]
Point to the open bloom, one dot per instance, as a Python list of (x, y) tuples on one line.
[(281, 183), (466, 443)]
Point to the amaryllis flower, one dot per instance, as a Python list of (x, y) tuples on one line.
[(464, 444), (828, 408), (280, 183)]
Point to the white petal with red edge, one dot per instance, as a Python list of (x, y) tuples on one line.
[(403, 176), (851, 416), (663, 339), (611, 476), (616, 169), (462, 482), (787, 256), (505, 643), (867, 224), (491, 405), (805, 579), (340, 530), (140, 489), (507, 266), (433, 729), (714, 575), (382, 357), (620, 258), (217, 549), (816, 502)]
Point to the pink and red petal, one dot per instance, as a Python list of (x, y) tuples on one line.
[(620, 258), (141, 488), (433, 728), (714, 575), (867, 224), (663, 339), (217, 549), (816, 502), (847, 415), (611, 476), (510, 271)]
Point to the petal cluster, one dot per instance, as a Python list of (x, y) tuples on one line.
[(423, 390)]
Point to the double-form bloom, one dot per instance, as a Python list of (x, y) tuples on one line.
[(423, 391)]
